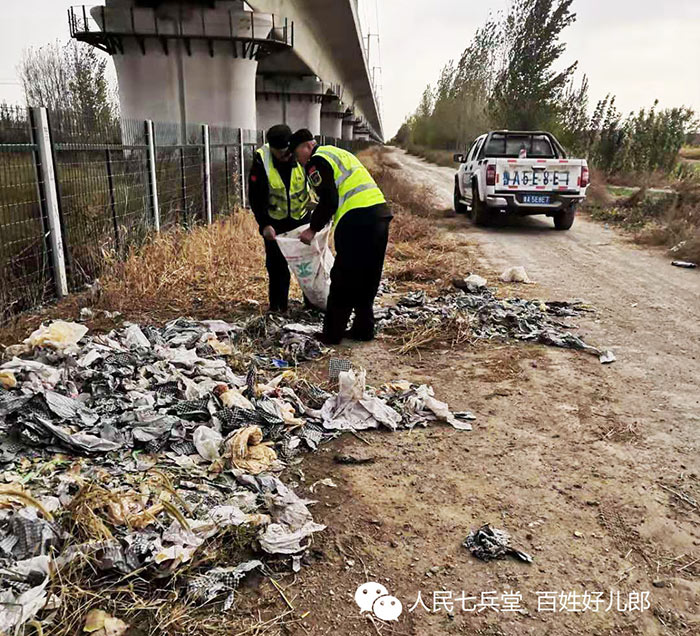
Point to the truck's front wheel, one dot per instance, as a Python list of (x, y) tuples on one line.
[(479, 213), (564, 220)]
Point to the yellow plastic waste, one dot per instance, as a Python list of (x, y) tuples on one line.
[(8, 380), (99, 623), (222, 348), (233, 397), (59, 335), (244, 450)]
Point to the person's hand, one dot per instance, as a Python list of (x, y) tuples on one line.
[(307, 236), (269, 233)]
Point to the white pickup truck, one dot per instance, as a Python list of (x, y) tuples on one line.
[(521, 173)]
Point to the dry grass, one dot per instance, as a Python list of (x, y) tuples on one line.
[(690, 152), (208, 271), (439, 157), (678, 226), (659, 219)]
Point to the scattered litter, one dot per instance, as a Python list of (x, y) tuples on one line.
[(323, 482), (86, 313), (515, 275), (219, 581), (246, 450), (133, 449), (207, 442), (352, 460), (607, 357), (678, 247), (355, 409), (100, 623), (8, 380), (336, 366), (471, 283), (23, 591), (59, 335), (490, 317), (489, 543), (685, 264)]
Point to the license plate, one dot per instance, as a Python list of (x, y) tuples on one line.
[(536, 178), (537, 199)]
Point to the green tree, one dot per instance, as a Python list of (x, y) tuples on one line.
[(528, 89)]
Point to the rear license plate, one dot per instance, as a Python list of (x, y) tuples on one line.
[(553, 179), (537, 199)]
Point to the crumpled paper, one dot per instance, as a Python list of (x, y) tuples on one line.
[(354, 409), (292, 522), (16, 609)]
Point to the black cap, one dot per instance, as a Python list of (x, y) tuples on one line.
[(299, 137), (278, 136)]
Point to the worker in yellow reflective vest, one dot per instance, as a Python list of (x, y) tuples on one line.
[(279, 195), (350, 199)]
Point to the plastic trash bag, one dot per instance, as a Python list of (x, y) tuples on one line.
[(207, 442), (59, 334), (515, 275), (246, 450), (310, 264)]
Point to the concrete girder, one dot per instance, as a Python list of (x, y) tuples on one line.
[(328, 44)]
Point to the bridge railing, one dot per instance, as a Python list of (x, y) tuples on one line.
[(77, 192)]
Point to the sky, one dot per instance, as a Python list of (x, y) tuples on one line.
[(639, 50)]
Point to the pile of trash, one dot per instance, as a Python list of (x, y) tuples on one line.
[(490, 317), (136, 449)]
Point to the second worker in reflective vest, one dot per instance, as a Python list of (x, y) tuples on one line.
[(349, 197), (281, 200)]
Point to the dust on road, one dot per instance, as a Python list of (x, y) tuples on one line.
[(593, 469)]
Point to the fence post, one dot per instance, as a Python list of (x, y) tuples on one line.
[(152, 179), (226, 178), (242, 166), (183, 185), (47, 176), (112, 205), (207, 173)]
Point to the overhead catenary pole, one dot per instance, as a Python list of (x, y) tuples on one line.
[(47, 177)]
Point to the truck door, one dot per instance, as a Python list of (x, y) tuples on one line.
[(471, 166)]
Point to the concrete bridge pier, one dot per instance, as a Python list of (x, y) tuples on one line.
[(361, 131), (332, 114), (293, 101), (348, 127), (184, 63)]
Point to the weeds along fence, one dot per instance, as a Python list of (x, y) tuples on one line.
[(76, 193)]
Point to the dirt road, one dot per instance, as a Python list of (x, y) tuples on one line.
[(593, 469)]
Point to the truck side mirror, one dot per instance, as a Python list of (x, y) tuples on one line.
[(458, 158)]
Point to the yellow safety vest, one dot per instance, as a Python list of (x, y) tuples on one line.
[(356, 188), (282, 205)]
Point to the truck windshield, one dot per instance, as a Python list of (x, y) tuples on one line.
[(511, 145)]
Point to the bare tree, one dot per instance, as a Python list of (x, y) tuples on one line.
[(68, 77)]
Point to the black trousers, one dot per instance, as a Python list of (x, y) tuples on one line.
[(278, 275), (360, 244), (279, 278)]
